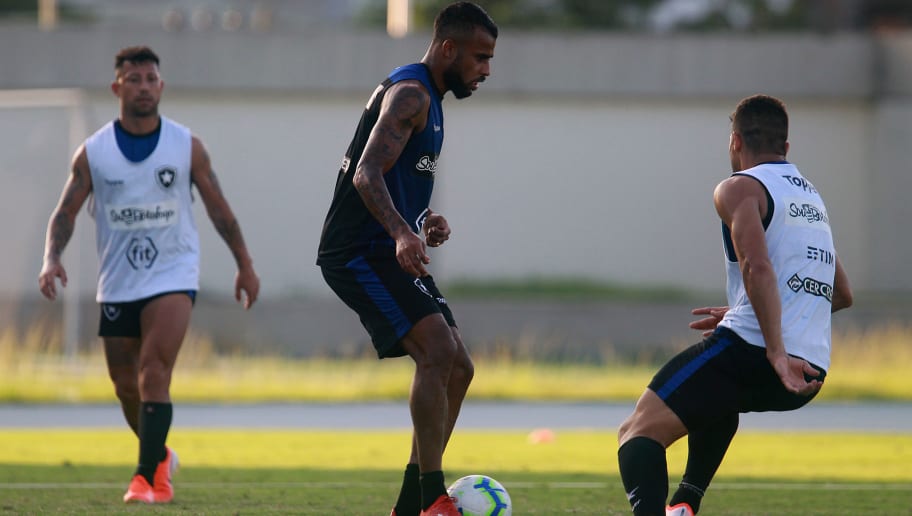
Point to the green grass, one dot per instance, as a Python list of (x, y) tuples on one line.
[(561, 289), (856, 374), (867, 365), (346, 472)]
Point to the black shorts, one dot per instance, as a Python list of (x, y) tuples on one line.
[(122, 319), (722, 375), (388, 300)]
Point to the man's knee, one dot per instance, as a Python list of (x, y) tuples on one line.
[(126, 384), (653, 419), (431, 343), (463, 370)]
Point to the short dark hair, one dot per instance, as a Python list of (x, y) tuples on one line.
[(459, 20), (762, 122), (137, 54)]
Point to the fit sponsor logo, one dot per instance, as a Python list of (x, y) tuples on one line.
[(141, 253), (427, 165), (818, 254), (811, 286), (801, 182), (166, 176), (807, 214), (146, 216), (114, 182), (110, 312)]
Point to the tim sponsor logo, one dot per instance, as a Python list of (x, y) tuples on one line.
[(143, 217), (811, 286), (820, 255)]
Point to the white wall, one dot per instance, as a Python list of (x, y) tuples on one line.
[(611, 190), (585, 155)]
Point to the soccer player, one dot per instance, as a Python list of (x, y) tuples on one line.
[(140, 169), (769, 349), (373, 251)]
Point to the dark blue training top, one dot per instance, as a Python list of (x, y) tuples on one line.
[(136, 148), (350, 229)]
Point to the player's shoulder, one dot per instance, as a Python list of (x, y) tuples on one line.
[(407, 99), (738, 187), (740, 183)]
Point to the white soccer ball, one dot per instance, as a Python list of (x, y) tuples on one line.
[(480, 495)]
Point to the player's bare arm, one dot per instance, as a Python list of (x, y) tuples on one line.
[(741, 203), (224, 221), (842, 292), (403, 112), (62, 222)]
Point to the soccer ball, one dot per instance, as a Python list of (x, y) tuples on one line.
[(480, 495)]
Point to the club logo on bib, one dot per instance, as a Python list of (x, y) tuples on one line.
[(166, 176), (111, 312)]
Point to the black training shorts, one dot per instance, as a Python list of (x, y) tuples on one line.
[(722, 375), (388, 300), (123, 319)]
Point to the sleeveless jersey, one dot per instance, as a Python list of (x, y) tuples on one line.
[(144, 230), (801, 251), (350, 229)]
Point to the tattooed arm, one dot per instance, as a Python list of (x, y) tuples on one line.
[(404, 111), (225, 223), (62, 222)]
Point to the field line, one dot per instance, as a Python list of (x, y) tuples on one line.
[(734, 486)]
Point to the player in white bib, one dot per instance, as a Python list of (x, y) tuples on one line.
[(140, 169), (769, 349)]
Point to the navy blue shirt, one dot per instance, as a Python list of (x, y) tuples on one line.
[(350, 229), (136, 148)]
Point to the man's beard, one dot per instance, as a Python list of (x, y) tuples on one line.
[(143, 112), (453, 82)]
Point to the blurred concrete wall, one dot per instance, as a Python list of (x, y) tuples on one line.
[(583, 155)]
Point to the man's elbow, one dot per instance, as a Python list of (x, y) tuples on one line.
[(842, 300)]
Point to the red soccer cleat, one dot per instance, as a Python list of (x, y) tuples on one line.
[(139, 491), (163, 491), (442, 506)]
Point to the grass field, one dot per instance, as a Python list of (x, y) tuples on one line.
[(865, 366), (327, 473), (344, 472)]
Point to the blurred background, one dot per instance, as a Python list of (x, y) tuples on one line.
[(577, 180)]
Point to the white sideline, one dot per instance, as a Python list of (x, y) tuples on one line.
[(807, 486)]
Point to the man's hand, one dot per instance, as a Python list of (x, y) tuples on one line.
[(247, 282), (715, 313), (50, 271), (792, 370), (411, 253), (436, 229)]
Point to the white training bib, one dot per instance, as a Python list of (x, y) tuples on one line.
[(145, 234), (800, 245)]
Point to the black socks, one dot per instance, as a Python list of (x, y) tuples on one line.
[(706, 448), (644, 472), (432, 487), (154, 423), (409, 502)]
